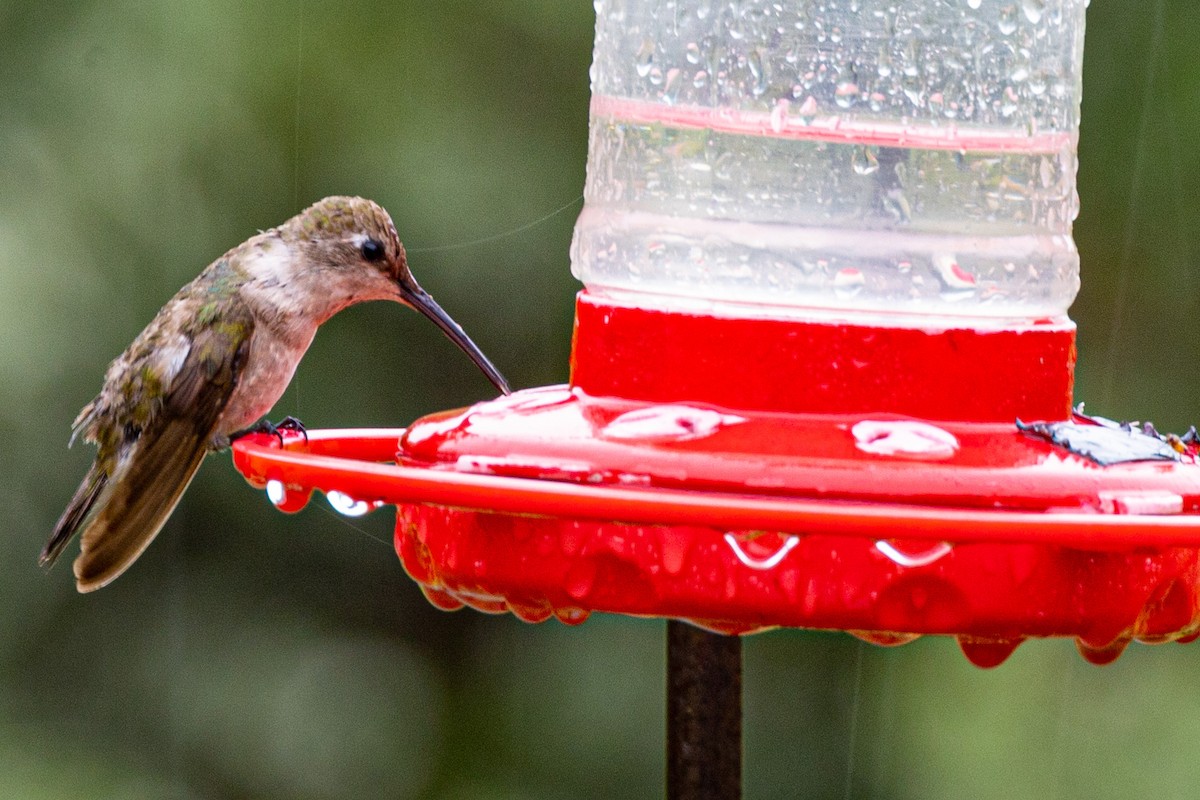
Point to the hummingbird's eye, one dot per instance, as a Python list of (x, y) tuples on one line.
[(372, 250)]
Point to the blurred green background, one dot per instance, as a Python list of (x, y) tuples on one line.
[(253, 655)]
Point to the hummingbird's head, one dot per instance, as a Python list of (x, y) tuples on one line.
[(361, 258), (353, 242)]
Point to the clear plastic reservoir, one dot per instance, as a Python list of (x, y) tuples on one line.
[(855, 156)]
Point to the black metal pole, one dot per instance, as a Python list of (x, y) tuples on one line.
[(704, 714)]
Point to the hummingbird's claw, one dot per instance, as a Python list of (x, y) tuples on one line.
[(288, 423)]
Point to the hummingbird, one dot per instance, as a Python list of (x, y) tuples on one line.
[(214, 360)]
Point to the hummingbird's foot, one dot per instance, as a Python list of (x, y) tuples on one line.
[(288, 423)]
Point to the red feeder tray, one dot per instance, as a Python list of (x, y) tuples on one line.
[(748, 473)]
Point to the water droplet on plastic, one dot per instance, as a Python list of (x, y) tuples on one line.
[(285, 499), (668, 423), (955, 280), (693, 53), (440, 598), (913, 554), (644, 58), (1033, 10), (347, 506), (530, 612), (974, 4), (1008, 20), (768, 562), (808, 109), (904, 439), (700, 80), (580, 578), (572, 616), (1105, 654), (885, 638), (779, 115), (758, 70), (675, 546), (848, 282), (846, 94), (988, 653), (864, 161)]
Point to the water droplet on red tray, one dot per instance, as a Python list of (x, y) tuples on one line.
[(440, 598), (569, 615), (347, 506), (885, 638), (488, 604), (674, 543), (913, 553), (761, 552), (1169, 609), (922, 601), (530, 612), (1102, 655), (287, 500), (904, 439), (668, 423), (987, 653), (580, 578)]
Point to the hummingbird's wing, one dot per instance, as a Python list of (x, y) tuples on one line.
[(77, 510), (123, 511)]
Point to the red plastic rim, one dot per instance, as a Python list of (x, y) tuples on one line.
[(358, 463), (738, 562)]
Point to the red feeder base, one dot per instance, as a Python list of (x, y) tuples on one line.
[(769, 508)]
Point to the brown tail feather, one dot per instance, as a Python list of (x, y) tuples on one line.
[(72, 519), (134, 510)]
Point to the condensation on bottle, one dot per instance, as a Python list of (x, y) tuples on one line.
[(835, 157)]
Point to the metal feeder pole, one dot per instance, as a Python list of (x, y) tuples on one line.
[(704, 714)]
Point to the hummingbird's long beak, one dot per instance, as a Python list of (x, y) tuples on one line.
[(418, 298)]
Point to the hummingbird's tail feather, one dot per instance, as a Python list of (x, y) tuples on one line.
[(152, 480), (77, 511)]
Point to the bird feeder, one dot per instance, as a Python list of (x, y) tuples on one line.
[(821, 371)]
